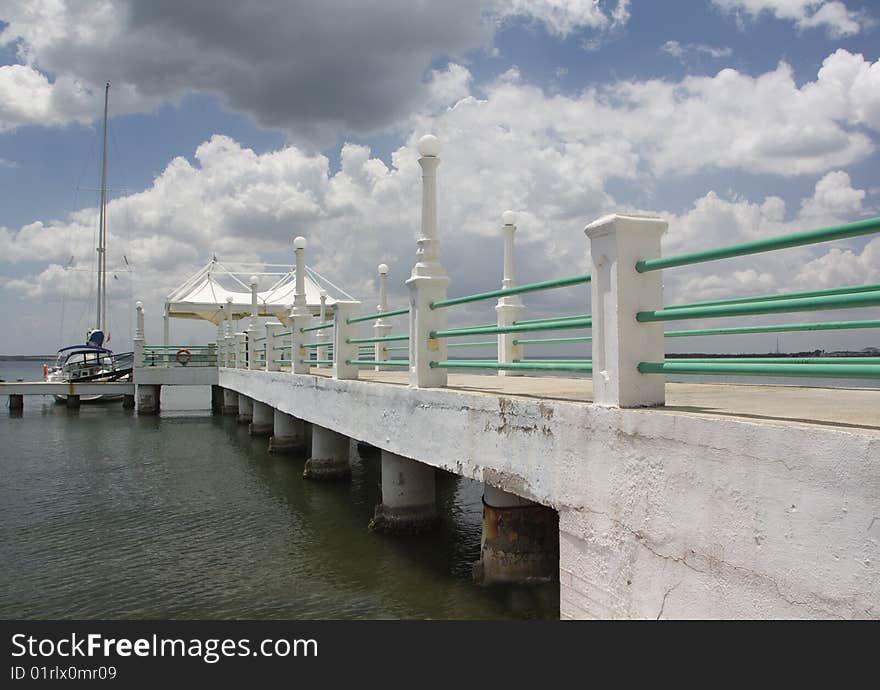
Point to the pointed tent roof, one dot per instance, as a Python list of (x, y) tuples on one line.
[(204, 295)]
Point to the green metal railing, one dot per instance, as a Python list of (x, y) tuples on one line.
[(550, 325), (847, 301), (378, 315), (779, 328), (518, 290), (380, 339), (850, 289), (317, 327), (797, 239), (377, 362), (513, 366), (860, 371)]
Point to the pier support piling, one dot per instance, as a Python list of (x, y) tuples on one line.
[(148, 399), (329, 459), (127, 402), (16, 402), (288, 434), (245, 409), (409, 501), (520, 541), (216, 400), (230, 403), (263, 421)]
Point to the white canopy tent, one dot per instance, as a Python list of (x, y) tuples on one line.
[(205, 294)]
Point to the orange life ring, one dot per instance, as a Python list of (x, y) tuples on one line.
[(183, 356)]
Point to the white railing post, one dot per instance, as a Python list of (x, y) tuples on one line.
[(510, 307), (428, 281), (139, 336), (273, 328), (321, 352), (382, 328), (230, 345), (618, 292), (343, 351), (300, 317), (221, 351), (240, 341), (252, 328)]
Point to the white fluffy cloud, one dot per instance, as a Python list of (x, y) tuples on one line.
[(550, 157), (564, 17), (832, 15)]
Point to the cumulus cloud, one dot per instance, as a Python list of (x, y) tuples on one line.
[(832, 15), (564, 17), (313, 70), (685, 51)]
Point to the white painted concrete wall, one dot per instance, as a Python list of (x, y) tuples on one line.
[(662, 513)]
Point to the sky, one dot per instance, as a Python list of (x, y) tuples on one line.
[(239, 124)]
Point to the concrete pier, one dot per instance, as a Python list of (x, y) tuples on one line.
[(520, 541), (148, 399), (216, 400), (230, 402), (329, 459), (245, 409), (263, 423), (288, 434), (128, 402), (409, 503)]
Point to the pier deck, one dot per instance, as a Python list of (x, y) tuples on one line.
[(854, 408)]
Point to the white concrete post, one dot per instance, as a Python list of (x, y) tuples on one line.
[(618, 291), (240, 343), (321, 352), (166, 327), (382, 328), (230, 353), (510, 307), (273, 328), (252, 328), (428, 281), (299, 312), (139, 336), (342, 331), (221, 351)]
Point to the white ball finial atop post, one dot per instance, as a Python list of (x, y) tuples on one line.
[(428, 281), (381, 328)]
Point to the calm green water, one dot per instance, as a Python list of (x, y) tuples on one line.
[(104, 514)]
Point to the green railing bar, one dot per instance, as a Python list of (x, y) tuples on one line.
[(317, 327), (797, 239), (549, 326), (375, 362), (316, 361), (283, 333), (259, 337), (528, 287), (282, 361), (525, 366), (281, 347), (851, 289), (546, 341), (820, 326), (480, 343), (864, 299), (323, 343), (849, 371), (556, 361), (378, 315), (779, 360), (399, 348), (553, 318), (382, 339)]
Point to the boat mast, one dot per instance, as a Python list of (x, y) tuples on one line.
[(102, 226)]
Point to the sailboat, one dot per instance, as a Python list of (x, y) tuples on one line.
[(91, 361)]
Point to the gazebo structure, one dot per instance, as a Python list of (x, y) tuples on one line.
[(206, 294)]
